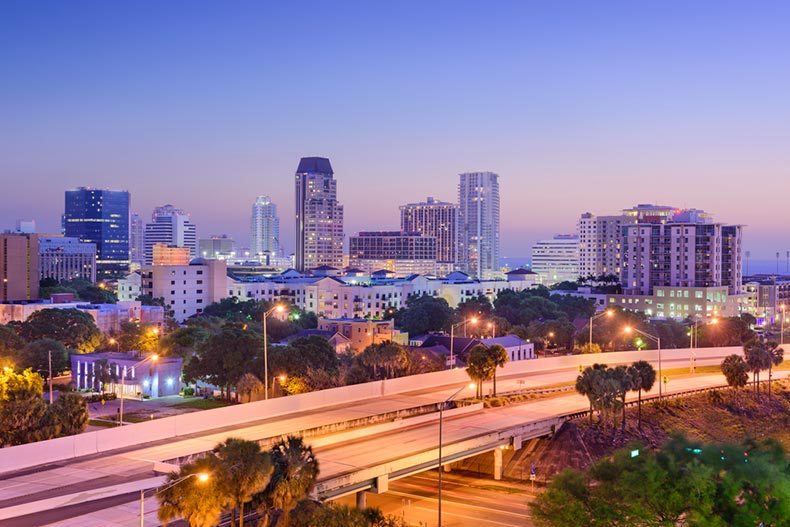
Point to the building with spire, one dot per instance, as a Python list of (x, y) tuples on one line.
[(319, 216)]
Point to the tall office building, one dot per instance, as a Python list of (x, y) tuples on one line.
[(438, 219), (478, 224), (62, 258), (319, 216), (170, 226), (557, 260), (264, 229), (100, 217), (18, 267), (136, 239), (600, 237)]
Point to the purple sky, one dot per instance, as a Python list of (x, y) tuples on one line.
[(588, 106)]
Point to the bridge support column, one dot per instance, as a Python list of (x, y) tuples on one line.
[(498, 464), (516, 442), (361, 499), (447, 467)]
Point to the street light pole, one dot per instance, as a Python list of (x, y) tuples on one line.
[(608, 313), (266, 314), (201, 476), (658, 342), (473, 320), (441, 417), (50, 376)]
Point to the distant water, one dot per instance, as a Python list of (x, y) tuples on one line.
[(751, 266)]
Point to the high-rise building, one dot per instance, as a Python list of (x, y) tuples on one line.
[(688, 251), (62, 258), (478, 224), (600, 237), (438, 219), (136, 239), (557, 260), (217, 248), (403, 253), (319, 216), (18, 267), (100, 217), (264, 229), (170, 226)]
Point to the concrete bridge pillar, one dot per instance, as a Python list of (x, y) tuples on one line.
[(498, 464), (516, 442), (361, 499), (447, 467)]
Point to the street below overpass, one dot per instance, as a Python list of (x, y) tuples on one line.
[(466, 501)]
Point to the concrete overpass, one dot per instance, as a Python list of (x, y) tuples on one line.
[(379, 432)]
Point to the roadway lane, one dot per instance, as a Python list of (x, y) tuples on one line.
[(465, 501), (136, 463)]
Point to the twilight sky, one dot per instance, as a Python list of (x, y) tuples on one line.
[(579, 106)]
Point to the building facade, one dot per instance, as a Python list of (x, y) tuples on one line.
[(136, 239), (186, 289), (403, 253), (100, 217), (170, 255), (557, 260), (169, 226), (264, 230), (478, 224), (142, 376), (319, 216), (19, 267), (438, 219), (63, 259), (217, 248)]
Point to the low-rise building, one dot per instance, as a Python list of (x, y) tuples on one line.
[(516, 348), (186, 289), (142, 376), (108, 317), (363, 332)]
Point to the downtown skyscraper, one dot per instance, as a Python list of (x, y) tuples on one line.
[(478, 224), (264, 229), (319, 216), (100, 217), (172, 227)]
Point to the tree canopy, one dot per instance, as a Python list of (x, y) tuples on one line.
[(75, 329)]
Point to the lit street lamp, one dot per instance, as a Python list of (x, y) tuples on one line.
[(152, 358), (658, 342), (473, 320), (266, 314), (607, 313), (441, 416), (201, 476)]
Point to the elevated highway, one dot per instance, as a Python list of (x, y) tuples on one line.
[(379, 432)]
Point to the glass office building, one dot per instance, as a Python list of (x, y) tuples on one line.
[(100, 217)]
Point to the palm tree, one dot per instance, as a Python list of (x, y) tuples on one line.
[(735, 371), (587, 384), (499, 357), (480, 367), (625, 380), (758, 358), (393, 358), (199, 503), (644, 377), (295, 473), (246, 472)]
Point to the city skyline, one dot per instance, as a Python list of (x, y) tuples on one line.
[(578, 108)]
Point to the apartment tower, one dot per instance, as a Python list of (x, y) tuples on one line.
[(319, 216)]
